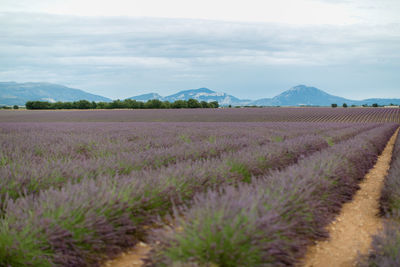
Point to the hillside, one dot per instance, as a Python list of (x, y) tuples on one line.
[(12, 93), (303, 95)]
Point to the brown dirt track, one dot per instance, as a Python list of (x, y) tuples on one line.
[(130, 258)]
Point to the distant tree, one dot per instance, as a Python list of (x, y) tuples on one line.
[(214, 104), (38, 105), (68, 105), (166, 104), (179, 104), (116, 104), (101, 105), (375, 105), (58, 105), (82, 104), (15, 107), (334, 105), (153, 103), (204, 104), (131, 103), (94, 105), (29, 104), (193, 103), (229, 106), (344, 105), (127, 103)]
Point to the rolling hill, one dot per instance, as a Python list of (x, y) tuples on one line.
[(12, 93)]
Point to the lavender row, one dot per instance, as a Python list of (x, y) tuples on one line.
[(72, 225), (31, 177), (33, 156), (270, 221), (34, 159), (386, 244)]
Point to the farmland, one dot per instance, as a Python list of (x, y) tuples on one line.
[(271, 114), (229, 187)]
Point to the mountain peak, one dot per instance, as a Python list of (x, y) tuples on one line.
[(302, 87), (298, 87), (205, 90), (305, 95), (201, 94), (200, 90), (148, 96)]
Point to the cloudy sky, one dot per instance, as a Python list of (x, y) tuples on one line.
[(251, 49)]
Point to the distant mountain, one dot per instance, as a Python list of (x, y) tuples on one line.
[(261, 102), (205, 94), (303, 95), (299, 95), (311, 96), (146, 97), (201, 94), (12, 93)]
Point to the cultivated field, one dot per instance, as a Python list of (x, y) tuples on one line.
[(215, 187), (207, 115)]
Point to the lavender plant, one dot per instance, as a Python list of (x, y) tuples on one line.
[(36, 157)]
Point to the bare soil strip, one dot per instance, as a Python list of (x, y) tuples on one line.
[(131, 258), (351, 232)]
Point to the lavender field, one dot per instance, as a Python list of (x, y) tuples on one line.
[(270, 114), (241, 187)]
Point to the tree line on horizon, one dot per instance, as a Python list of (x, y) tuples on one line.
[(374, 105), (122, 104)]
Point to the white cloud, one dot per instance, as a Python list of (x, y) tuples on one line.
[(282, 11)]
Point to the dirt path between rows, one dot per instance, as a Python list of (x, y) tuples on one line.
[(130, 258), (351, 232)]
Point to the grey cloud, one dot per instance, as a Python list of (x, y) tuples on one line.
[(149, 52), (67, 36)]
